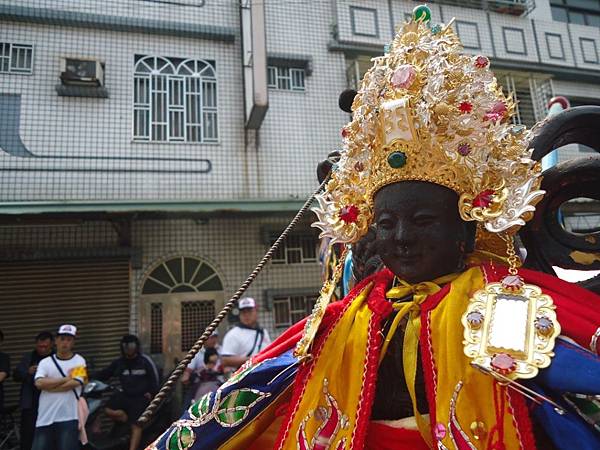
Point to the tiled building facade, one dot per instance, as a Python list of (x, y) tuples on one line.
[(154, 169)]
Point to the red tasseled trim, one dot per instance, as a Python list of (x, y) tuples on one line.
[(300, 381), (428, 367), (337, 308), (521, 420), (376, 302), (434, 300), (426, 347)]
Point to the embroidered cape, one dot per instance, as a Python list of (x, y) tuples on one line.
[(325, 403)]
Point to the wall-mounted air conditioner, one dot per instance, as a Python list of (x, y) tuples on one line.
[(82, 72)]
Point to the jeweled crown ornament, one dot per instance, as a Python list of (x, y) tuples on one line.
[(427, 112)]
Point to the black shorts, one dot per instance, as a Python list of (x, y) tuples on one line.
[(133, 406)]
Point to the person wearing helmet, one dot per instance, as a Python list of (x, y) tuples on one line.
[(138, 377)]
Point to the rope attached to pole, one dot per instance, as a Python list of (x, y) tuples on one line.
[(168, 386)]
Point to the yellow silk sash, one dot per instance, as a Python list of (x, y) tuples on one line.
[(463, 395), (338, 372), (410, 346)]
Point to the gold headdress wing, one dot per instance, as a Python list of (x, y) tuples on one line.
[(425, 111)]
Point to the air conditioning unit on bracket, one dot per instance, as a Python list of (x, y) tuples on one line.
[(82, 72)]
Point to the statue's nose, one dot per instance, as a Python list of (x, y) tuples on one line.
[(405, 233)]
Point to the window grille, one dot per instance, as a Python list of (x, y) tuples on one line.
[(156, 323), (291, 309), (531, 94), (16, 58), (182, 274), (285, 78), (175, 100), (195, 317), (298, 248), (582, 12)]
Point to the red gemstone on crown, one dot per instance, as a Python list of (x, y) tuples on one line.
[(345, 132), (481, 62), (483, 199), (465, 107), (496, 113), (503, 363), (349, 214)]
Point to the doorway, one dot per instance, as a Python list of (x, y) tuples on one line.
[(180, 298)]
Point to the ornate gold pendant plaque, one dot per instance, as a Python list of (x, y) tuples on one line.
[(510, 330)]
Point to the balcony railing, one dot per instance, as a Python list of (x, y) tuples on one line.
[(512, 7)]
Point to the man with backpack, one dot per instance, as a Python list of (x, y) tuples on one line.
[(60, 378), (246, 339)]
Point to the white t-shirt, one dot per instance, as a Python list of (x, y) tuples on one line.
[(243, 342), (58, 406)]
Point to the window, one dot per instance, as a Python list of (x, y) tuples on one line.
[(16, 58), (195, 317), (581, 215), (156, 327), (174, 100), (298, 248), (356, 69), (285, 78), (292, 308), (182, 274), (582, 12)]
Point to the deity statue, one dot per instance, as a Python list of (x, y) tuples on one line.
[(445, 341)]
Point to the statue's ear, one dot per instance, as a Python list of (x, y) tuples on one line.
[(470, 232)]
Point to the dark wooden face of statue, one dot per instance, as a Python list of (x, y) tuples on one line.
[(419, 233)]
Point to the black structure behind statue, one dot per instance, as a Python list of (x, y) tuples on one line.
[(546, 240)]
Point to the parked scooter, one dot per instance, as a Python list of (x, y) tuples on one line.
[(102, 433)]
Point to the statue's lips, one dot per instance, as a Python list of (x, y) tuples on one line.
[(407, 259)]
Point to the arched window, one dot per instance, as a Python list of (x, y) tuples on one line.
[(182, 274), (174, 100)]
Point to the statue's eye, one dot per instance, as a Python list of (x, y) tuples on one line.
[(424, 219), (385, 223)]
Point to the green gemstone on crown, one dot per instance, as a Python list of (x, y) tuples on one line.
[(396, 160), (422, 13)]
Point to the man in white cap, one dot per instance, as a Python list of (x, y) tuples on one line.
[(245, 339), (60, 378)]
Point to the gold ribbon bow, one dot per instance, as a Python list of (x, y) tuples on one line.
[(411, 308)]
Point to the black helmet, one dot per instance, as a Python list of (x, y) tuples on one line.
[(129, 339)]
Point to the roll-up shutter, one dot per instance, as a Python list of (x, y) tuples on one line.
[(41, 295)]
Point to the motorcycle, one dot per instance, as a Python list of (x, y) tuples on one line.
[(103, 433)]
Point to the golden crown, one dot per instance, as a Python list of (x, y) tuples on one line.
[(427, 112)]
